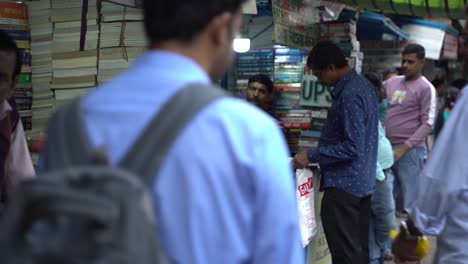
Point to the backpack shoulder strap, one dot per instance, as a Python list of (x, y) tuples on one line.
[(68, 144), (147, 153)]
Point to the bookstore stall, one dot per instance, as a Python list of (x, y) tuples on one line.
[(67, 49), (371, 41)]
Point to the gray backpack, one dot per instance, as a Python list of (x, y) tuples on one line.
[(85, 211)]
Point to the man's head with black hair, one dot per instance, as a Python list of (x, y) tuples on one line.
[(327, 62), (412, 64), (10, 65), (415, 49), (459, 83), (375, 80), (260, 91), (440, 84), (202, 30)]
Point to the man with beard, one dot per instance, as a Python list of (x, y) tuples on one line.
[(260, 92), (409, 119)]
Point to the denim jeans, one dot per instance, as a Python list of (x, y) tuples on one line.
[(407, 174), (382, 219)]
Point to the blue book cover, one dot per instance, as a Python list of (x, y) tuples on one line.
[(18, 34)]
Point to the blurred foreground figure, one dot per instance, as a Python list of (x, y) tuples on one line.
[(441, 207)]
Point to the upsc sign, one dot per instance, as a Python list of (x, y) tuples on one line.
[(314, 93)]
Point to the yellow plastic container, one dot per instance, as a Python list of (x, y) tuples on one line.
[(422, 247)]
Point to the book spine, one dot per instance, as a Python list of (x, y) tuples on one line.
[(13, 10), (18, 34), (27, 122), (24, 78)]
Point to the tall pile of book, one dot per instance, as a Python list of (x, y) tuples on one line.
[(41, 40), (450, 47), (74, 48), (122, 39), (253, 62), (14, 21), (344, 35), (381, 55), (288, 71), (315, 97)]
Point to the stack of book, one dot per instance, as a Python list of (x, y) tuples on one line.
[(288, 70), (14, 21), (41, 40), (113, 61), (381, 55), (130, 3), (309, 138), (122, 39), (450, 48), (74, 48), (344, 35), (317, 98)]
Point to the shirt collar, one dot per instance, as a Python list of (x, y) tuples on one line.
[(163, 61), (341, 83), (5, 108)]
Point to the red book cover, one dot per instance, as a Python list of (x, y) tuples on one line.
[(13, 10)]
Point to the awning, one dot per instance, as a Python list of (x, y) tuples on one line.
[(372, 26), (249, 7), (422, 8), (439, 40)]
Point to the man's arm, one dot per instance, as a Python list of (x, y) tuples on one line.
[(352, 112), (428, 102), (20, 163)]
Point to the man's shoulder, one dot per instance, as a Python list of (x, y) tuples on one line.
[(358, 86), (358, 82), (425, 84)]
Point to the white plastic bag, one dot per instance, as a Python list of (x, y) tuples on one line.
[(305, 201)]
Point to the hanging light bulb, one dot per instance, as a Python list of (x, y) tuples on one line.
[(241, 45)]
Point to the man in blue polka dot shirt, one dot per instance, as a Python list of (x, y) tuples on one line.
[(347, 154)]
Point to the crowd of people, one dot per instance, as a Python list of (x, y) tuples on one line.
[(225, 190)]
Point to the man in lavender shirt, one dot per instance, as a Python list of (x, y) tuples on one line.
[(409, 119)]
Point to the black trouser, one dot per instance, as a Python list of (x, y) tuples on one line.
[(345, 220)]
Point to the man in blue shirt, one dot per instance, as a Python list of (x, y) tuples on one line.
[(225, 192), (347, 154)]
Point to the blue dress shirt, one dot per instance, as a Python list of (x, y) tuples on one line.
[(225, 192), (441, 208)]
